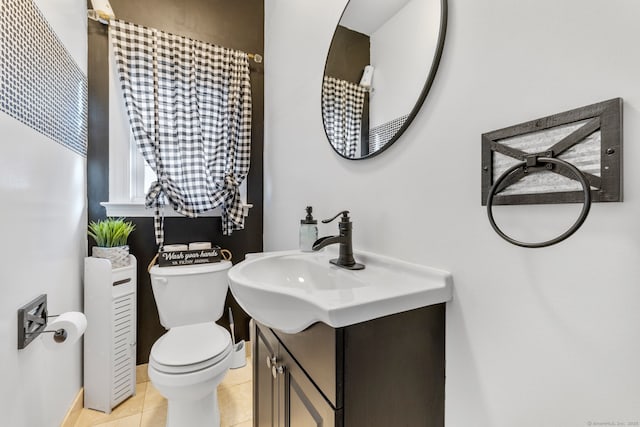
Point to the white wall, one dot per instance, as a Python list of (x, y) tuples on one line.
[(546, 337), (43, 229), (402, 51)]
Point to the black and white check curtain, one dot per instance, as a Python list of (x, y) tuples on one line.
[(189, 106), (342, 105)]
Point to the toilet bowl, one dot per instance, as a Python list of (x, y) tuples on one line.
[(189, 361), (186, 366)]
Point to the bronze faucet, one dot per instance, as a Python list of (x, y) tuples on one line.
[(345, 258)]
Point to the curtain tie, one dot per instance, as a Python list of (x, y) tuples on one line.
[(153, 199), (154, 194), (233, 212), (230, 183)]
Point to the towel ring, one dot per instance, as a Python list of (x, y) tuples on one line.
[(535, 161)]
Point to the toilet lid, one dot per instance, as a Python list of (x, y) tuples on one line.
[(188, 345)]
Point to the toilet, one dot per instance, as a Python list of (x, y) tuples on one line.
[(189, 361)]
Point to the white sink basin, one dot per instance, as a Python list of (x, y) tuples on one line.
[(292, 290)]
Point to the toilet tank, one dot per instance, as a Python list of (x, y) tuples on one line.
[(186, 295)]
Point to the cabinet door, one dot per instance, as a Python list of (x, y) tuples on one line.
[(304, 405), (265, 389)]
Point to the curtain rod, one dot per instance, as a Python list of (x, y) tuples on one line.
[(256, 57), (104, 18)]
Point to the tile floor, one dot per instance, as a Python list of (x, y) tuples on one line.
[(149, 409)]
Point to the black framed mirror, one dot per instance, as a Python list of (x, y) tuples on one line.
[(380, 66)]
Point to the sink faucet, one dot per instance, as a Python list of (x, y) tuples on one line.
[(345, 258)]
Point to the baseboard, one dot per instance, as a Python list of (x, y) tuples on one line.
[(74, 412)]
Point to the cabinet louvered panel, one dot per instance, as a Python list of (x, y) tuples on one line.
[(123, 384), (110, 339)]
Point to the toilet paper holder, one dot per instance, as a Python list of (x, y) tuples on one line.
[(32, 321), (59, 335)]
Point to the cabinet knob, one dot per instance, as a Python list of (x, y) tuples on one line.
[(277, 370), (271, 360)]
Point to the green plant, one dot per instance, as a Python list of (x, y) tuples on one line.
[(110, 232)]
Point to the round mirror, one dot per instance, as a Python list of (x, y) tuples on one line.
[(380, 66)]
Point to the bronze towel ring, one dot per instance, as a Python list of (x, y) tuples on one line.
[(534, 160)]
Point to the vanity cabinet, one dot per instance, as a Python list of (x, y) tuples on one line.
[(384, 372), (284, 394)]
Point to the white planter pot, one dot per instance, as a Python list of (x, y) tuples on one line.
[(118, 255)]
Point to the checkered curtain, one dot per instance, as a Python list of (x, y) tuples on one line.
[(189, 106), (342, 105)]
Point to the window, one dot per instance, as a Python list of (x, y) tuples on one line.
[(130, 178), (141, 174), (129, 175)]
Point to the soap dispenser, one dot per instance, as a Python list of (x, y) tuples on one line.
[(308, 231)]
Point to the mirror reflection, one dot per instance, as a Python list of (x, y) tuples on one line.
[(382, 60)]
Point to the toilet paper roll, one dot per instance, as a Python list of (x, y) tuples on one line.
[(199, 246), (73, 323), (173, 248)]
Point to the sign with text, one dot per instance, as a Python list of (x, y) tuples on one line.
[(174, 258)]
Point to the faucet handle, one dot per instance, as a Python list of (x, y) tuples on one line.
[(345, 217)]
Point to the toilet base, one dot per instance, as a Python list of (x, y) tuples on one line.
[(202, 412), (192, 397)]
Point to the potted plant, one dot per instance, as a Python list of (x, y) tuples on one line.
[(111, 236)]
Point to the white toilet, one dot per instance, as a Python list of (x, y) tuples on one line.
[(188, 362)]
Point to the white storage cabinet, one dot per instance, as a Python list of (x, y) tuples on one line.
[(110, 339)]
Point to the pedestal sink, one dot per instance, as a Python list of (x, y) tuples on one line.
[(292, 290)]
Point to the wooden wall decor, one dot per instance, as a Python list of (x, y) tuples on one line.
[(590, 138)]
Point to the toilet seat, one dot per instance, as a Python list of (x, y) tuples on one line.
[(190, 348)]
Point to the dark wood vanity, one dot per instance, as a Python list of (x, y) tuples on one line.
[(386, 372)]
